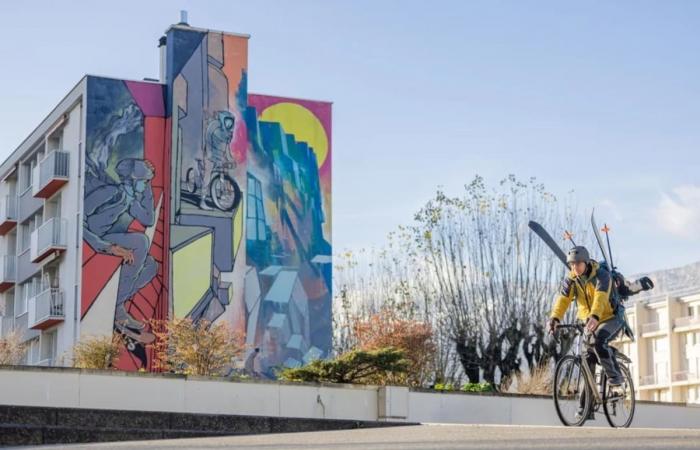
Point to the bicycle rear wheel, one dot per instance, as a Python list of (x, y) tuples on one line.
[(572, 396), (619, 411)]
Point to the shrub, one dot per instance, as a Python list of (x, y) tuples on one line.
[(537, 382), (477, 387), (380, 366), (415, 338), (200, 348), (96, 352), (12, 350)]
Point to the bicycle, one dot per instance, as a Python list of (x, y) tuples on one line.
[(223, 189), (575, 386)]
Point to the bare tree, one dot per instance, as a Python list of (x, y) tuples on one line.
[(470, 267), (494, 279)]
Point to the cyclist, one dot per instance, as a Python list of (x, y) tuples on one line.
[(590, 285), (217, 148)]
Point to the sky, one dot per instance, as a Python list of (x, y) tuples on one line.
[(598, 97)]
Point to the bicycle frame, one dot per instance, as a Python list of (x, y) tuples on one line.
[(590, 377)]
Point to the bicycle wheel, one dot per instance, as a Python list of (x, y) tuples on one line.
[(619, 411), (572, 396), (190, 181), (225, 192)]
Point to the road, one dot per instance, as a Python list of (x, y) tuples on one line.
[(437, 437)]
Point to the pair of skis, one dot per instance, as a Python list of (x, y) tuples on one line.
[(552, 244)]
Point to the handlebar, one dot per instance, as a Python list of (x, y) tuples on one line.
[(580, 328)]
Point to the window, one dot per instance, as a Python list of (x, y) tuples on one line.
[(255, 212), (25, 176), (26, 230), (26, 290), (48, 346), (33, 351)]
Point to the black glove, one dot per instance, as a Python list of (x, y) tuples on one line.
[(552, 325), (646, 283)]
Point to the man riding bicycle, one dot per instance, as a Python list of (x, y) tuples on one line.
[(590, 285)]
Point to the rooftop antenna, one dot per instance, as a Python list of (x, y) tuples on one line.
[(183, 18)]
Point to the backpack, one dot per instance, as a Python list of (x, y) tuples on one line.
[(619, 293)]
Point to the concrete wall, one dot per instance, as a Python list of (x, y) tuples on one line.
[(72, 388), (525, 410)]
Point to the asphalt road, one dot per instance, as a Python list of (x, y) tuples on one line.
[(438, 437)]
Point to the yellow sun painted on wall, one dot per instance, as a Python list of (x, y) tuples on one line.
[(302, 123)]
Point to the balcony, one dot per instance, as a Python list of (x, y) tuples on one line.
[(50, 174), (45, 309), (8, 214), (685, 375), (654, 379), (652, 327), (687, 321), (7, 324), (8, 272), (50, 237)]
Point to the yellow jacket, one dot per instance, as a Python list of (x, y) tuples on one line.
[(593, 299)]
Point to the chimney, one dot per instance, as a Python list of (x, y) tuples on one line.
[(162, 45), (183, 18)]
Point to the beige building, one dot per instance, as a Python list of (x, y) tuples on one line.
[(666, 349)]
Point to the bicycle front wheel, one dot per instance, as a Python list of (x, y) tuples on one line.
[(225, 192), (619, 410), (572, 396)]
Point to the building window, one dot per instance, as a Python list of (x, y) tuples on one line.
[(255, 212)]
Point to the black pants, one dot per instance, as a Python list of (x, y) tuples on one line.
[(606, 332)]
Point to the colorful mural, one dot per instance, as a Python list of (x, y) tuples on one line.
[(208, 96), (288, 281), (124, 276), (206, 203)]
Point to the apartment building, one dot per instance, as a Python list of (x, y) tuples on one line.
[(183, 197), (39, 219), (666, 349)]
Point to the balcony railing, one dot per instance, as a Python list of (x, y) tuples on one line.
[(651, 327), (8, 214), (49, 237), (46, 309), (648, 380), (686, 321), (8, 272), (7, 324), (50, 174)]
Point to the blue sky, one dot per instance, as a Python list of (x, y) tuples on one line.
[(599, 97)]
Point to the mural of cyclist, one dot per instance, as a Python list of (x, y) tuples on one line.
[(217, 149), (109, 211)]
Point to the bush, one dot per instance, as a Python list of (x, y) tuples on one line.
[(477, 387), (381, 366), (96, 352), (469, 387), (537, 382), (415, 338), (12, 350), (200, 348)]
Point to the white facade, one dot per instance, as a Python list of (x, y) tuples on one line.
[(666, 350), (40, 234)]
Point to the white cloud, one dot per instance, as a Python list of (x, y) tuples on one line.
[(679, 212), (608, 206)]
